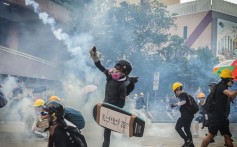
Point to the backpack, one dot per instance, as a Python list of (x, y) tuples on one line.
[(3, 100), (75, 117), (130, 84), (210, 101), (192, 105), (75, 136)]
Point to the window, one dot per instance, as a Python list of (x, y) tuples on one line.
[(185, 32)]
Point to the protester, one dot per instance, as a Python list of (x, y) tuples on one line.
[(3, 99), (53, 118), (186, 116), (199, 119), (218, 118), (115, 89), (140, 103), (38, 104), (212, 87), (72, 115)]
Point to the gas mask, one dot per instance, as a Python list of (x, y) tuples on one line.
[(43, 123), (230, 83), (202, 100)]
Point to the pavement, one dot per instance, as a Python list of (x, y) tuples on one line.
[(156, 135)]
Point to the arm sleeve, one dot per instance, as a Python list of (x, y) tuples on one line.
[(182, 102), (100, 66), (182, 98)]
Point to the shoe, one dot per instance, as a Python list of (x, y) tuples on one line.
[(188, 143), (192, 145), (212, 141)]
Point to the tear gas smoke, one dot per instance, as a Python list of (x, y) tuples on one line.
[(78, 74)]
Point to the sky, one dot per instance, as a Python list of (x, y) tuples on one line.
[(232, 1)]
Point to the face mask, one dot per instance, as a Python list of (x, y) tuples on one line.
[(230, 83), (201, 100), (44, 124), (116, 76)]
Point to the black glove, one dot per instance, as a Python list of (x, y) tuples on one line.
[(173, 105)]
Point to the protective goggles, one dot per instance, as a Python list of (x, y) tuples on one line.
[(119, 67), (43, 113)]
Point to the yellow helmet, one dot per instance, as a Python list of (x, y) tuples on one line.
[(135, 95), (54, 97), (38, 103), (201, 95), (226, 73), (176, 85)]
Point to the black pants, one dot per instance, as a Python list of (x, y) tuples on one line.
[(184, 122), (107, 133)]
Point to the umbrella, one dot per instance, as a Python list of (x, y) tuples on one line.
[(231, 64), (89, 89)]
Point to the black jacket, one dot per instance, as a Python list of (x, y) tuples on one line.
[(115, 91), (60, 138)]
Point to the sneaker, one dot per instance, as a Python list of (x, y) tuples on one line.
[(192, 145), (188, 143), (212, 140)]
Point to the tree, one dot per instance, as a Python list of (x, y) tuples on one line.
[(139, 33)]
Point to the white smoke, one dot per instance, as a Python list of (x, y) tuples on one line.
[(46, 19), (73, 84)]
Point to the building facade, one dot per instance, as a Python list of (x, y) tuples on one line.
[(208, 23), (204, 23)]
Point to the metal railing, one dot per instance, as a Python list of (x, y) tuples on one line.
[(21, 54), (203, 6)]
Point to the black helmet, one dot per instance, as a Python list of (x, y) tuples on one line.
[(124, 65), (54, 107)]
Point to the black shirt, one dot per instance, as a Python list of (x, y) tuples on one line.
[(220, 108), (183, 108)]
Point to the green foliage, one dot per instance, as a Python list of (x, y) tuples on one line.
[(140, 34)]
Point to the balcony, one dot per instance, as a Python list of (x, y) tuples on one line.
[(202, 6), (18, 63)]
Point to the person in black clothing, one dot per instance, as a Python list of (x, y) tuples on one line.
[(212, 87), (72, 115), (218, 118), (115, 88), (53, 120), (186, 116)]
